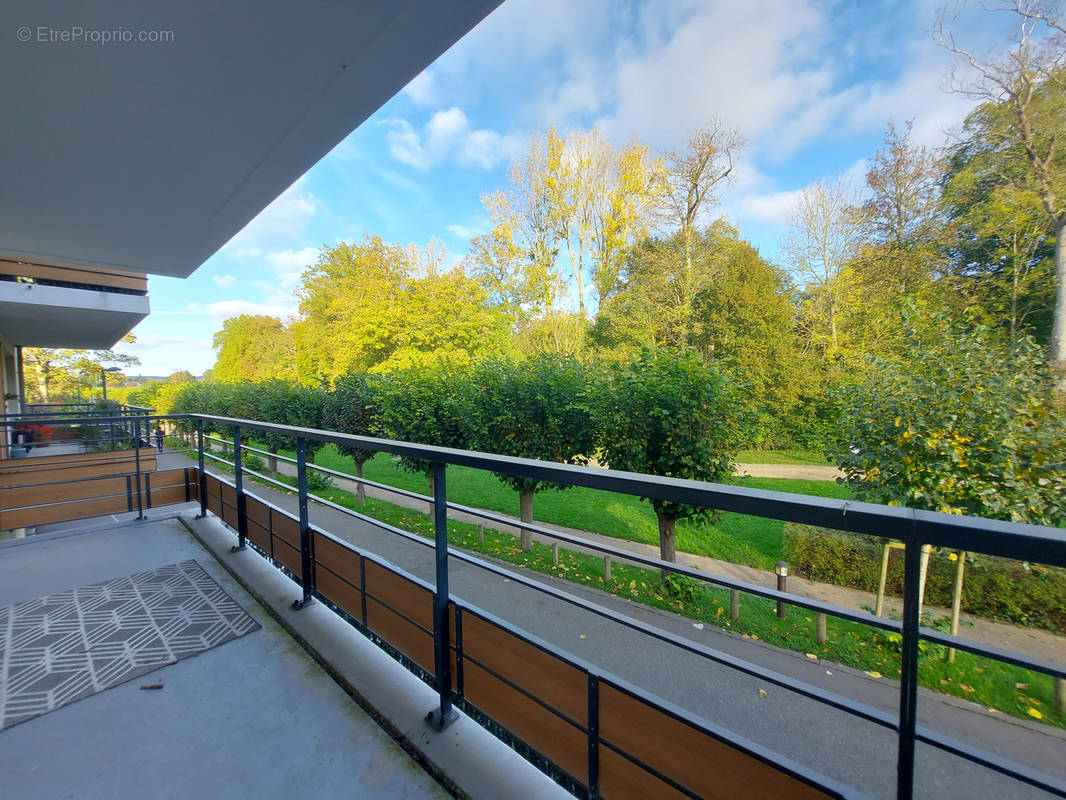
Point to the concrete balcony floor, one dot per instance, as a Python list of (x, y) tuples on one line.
[(254, 716)]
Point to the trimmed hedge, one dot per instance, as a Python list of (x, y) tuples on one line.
[(993, 588)]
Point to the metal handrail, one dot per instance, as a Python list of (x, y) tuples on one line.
[(913, 527)]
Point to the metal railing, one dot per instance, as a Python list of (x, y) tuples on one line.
[(912, 527)]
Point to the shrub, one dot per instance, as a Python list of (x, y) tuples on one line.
[(961, 426), (993, 588)]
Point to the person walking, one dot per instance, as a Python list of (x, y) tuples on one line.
[(159, 438)]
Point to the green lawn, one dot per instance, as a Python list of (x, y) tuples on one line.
[(995, 685), (737, 538), (805, 457)]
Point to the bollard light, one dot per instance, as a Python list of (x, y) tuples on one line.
[(781, 570)]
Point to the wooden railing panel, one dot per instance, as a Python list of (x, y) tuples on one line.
[(62, 512), (553, 737), (72, 467), (400, 632), (403, 595), (560, 685), (337, 575), (703, 764), (90, 276), (19, 496)]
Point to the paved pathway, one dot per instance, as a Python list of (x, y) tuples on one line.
[(830, 741), (810, 472), (1030, 641)]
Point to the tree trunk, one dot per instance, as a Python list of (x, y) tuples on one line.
[(272, 462), (360, 490), (1058, 329), (525, 513), (667, 551)]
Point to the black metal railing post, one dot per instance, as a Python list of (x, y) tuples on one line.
[(439, 718), (137, 467), (593, 736), (908, 684), (238, 481), (306, 574), (200, 463)]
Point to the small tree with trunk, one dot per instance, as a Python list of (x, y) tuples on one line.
[(531, 409), (423, 405), (350, 407), (671, 415)]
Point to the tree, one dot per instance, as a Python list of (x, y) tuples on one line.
[(825, 237), (962, 425), (363, 307), (425, 405), (181, 376), (254, 347), (1001, 245), (694, 174), (1023, 115), (535, 408), (669, 415), (902, 214), (576, 194), (351, 407)]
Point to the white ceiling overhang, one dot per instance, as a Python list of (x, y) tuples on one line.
[(150, 156)]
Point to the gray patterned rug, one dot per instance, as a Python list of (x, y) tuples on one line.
[(66, 646)]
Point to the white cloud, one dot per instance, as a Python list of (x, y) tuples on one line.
[(232, 308), (465, 231), (775, 208), (224, 280), (448, 135), (290, 264), (421, 88), (279, 224)]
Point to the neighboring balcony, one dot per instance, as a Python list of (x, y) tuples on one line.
[(49, 305)]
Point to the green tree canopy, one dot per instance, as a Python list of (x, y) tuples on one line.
[(671, 415), (961, 425)]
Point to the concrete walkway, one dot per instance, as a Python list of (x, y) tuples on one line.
[(828, 740), (1030, 641), (809, 472), (253, 717)]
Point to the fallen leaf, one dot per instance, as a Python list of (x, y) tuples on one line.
[(582, 636), (1021, 686), (811, 655), (762, 693), (719, 612), (698, 626), (993, 711), (978, 670), (827, 672), (754, 636), (1035, 702), (966, 687), (1032, 712), (873, 673)]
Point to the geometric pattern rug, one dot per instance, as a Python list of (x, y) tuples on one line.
[(64, 647)]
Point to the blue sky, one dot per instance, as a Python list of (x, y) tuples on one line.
[(811, 84)]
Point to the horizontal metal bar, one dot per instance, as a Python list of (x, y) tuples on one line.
[(994, 653), (692, 572), (993, 761), (993, 537)]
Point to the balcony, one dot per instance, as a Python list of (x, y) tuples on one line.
[(609, 699)]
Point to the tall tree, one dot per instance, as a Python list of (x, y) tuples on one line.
[(254, 347), (827, 231), (1023, 113), (902, 214), (694, 174)]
